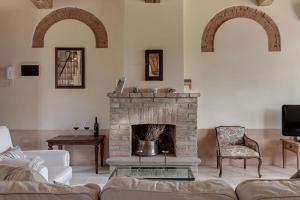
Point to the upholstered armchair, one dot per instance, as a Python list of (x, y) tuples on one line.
[(233, 143)]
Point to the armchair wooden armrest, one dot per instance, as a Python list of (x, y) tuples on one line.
[(252, 144)]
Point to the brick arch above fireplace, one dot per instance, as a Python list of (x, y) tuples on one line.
[(208, 37), (70, 13)]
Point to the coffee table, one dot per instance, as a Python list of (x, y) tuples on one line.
[(155, 173)]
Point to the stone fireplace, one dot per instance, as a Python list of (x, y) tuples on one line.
[(132, 113)]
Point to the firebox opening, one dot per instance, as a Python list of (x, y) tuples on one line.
[(165, 142)]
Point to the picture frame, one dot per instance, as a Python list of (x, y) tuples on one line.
[(120, 85), (154, 65), (69, 68)]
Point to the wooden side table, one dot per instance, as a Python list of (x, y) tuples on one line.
[(292, 146), (60, 141)]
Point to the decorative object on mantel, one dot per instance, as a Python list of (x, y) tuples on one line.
[(208, 37), (171, 90), (154, 65), (148, 145), (152, 1), (120, 85), (264, 2), (69, 68), (187, 85)]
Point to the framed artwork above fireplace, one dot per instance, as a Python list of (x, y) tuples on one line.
[(154, 65), (69, 68)]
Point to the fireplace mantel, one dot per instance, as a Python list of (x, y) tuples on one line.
[(153, 95), (178, 109)]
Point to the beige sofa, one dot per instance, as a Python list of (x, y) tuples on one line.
[(122, 188)]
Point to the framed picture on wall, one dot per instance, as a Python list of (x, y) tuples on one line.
[(154, 65), (69, 68)]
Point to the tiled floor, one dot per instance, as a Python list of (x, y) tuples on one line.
[(231, 174)]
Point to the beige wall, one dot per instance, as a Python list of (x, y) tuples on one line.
[(241, 82), (154, 26), (33, 102)]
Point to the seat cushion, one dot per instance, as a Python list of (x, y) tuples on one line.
[(269, 190), (238, 150), (59, 174), (126, 188)]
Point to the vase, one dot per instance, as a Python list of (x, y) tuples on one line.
[(147, 148)]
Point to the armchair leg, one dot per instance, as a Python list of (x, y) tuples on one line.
[(218, 162), (245, 163), (220, 165), (259, 167)]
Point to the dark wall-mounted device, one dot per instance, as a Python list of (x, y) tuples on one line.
[(29, 70)]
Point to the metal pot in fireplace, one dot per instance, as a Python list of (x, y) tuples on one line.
[(147, 148)]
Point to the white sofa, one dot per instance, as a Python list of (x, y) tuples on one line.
[(57, 162)]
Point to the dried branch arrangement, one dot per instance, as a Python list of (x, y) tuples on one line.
[(154, 132)]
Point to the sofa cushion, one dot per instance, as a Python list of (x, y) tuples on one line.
[(12, 173), (42, 191), (12, 153), (269, 189), (129, 188), (35, 163)]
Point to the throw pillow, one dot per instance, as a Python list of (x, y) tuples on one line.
[(12, 173), (35, 163), (12, 153)]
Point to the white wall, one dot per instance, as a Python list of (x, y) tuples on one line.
[(241, 82), (33, 102)]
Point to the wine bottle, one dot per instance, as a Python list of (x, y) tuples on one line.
[(96, 128)]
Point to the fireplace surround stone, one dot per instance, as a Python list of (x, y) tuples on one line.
[(176, 109)]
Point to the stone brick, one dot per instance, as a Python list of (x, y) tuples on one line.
[(187, 100), (165, 100), (192, 116), (193, 106), (142, 100), (186, 111), (114, 105)]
